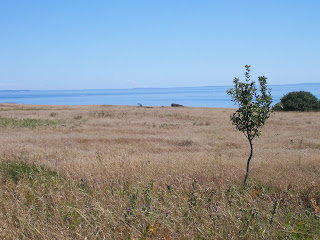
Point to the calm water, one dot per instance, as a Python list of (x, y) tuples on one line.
[(190, 96)]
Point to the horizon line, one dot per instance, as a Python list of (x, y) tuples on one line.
[(95, 89)]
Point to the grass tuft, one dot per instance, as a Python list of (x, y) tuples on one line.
[(16, 171), (27, 123)]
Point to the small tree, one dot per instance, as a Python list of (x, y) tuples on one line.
[(254, 108)]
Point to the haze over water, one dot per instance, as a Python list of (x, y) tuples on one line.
[(213, 96)]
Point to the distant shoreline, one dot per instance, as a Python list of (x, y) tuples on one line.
[(40, 106), (213, 97)]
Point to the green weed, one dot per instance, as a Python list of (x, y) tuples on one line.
[(101, 114), (28, 123), (16, 171)]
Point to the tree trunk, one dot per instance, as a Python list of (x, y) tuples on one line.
[(248, 163)]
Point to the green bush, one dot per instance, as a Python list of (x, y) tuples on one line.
[(277, 107), (298, 101)]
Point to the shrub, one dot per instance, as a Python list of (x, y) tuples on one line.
[(299, 101), (176, 105), (277, 107)]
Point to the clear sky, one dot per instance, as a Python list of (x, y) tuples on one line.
[(77, 44)]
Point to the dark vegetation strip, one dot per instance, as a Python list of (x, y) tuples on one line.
[(28, 123)]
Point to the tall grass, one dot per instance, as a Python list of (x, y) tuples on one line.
[(122, 178)]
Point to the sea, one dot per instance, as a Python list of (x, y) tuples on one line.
[(209, 96)]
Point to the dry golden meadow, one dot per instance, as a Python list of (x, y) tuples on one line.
[(126, 172)]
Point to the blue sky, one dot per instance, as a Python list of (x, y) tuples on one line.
[(176, 43)]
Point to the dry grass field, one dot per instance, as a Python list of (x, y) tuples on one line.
[(125, 172)]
